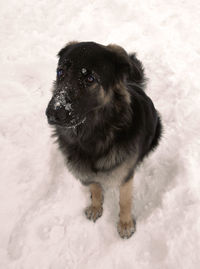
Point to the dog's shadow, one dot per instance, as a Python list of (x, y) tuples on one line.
[(152, 180)]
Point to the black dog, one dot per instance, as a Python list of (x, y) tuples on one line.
[(104, 122)]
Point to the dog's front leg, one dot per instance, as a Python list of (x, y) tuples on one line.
[(94, 211), (126, 224)]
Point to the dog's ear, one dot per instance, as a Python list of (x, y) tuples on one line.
[(66, 47), (121, 61)]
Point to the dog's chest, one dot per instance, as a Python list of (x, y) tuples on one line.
[(106, 178), (113, 170)]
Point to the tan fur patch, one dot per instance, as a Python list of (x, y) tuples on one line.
[(105, 97), (121, 89), (126, 202), (126, 224), (71, 43), (117, 49), (96, 194), (95, 210)]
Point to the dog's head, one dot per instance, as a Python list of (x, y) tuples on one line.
[(86, 74)]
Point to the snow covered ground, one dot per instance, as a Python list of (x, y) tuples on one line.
[(42, 224)]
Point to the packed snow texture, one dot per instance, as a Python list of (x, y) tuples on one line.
[(42, 224)]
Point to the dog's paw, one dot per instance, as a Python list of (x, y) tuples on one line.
[(126, 229), (93, 213)]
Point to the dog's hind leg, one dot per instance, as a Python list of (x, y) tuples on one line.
[(95, 210), (126, 224)]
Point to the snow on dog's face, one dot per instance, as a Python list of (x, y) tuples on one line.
[(86, 75)]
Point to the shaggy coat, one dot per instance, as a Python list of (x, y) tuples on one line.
[(104, 122)]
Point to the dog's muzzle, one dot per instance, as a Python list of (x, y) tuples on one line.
[(63, 113), (59, 109), (56, 115)]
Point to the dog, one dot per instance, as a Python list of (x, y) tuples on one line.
[(104, 122)]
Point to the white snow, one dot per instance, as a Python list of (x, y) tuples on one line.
[(42, 224), (61, 101), (84, 71)]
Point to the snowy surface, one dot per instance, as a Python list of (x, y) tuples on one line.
[(42, 224)]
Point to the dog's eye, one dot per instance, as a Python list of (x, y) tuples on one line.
[(90, 78), (60, 72)]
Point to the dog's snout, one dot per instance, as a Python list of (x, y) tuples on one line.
[(55, 114), (50, 114), (51, 119)]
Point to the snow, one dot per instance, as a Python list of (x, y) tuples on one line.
[(60, 101), (84, 71), (41, 210)]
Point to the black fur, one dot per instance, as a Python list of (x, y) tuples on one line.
[(119, 121)]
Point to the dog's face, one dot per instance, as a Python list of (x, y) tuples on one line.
[(86, 75)]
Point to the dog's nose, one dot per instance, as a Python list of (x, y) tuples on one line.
[(55, 115), (51, 119), (50, 115)]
